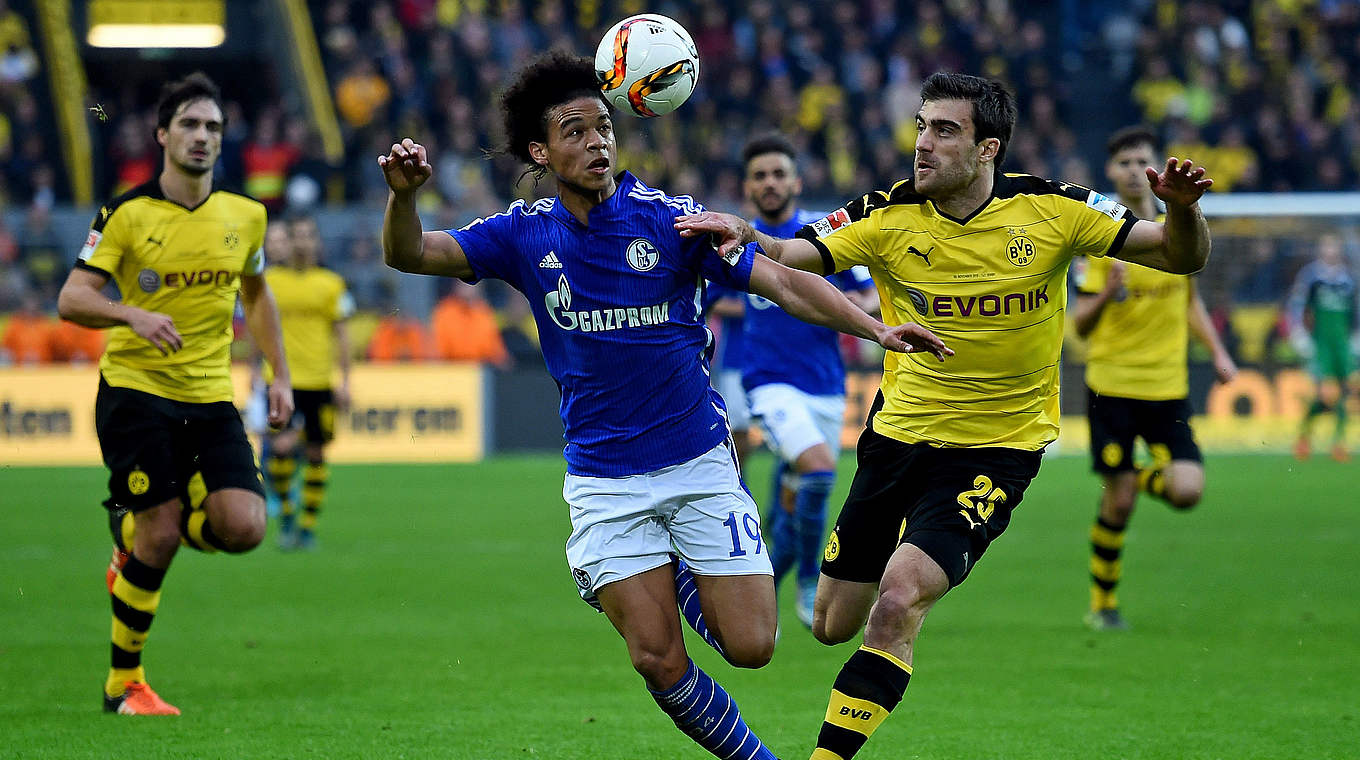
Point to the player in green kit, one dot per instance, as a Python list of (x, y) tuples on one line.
[(1324, 302)]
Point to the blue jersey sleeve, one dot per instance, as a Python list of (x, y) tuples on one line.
[(489, 244), (733, 272)]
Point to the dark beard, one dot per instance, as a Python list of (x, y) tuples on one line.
[(777, 211)]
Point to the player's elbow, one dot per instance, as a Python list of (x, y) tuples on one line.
[(67, 304)]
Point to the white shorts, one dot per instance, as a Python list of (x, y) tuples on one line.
[(728, 384), (621, 527), (795, 421)]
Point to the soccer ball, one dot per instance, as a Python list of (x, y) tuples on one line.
[(647, 65)]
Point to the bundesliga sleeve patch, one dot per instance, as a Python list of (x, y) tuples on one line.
[(831, 222), (91, 242), (1107, 206)]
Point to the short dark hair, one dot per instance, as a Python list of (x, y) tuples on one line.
[(768, 143), (994, 109), (550, 80), (196, 86), (1132, 137)]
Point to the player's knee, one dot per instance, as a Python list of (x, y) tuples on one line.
[(827, 633), (898, 610), (659, 669), (750, 653), (158, 540), (1184, 498), (240, 530)]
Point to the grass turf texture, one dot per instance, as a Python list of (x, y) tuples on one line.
[(439, 620)]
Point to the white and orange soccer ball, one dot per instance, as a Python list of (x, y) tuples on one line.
[(647, 65)]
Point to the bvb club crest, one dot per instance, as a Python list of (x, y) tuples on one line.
[(138, 482), (232, 238), (833, 548), (1020, 250)]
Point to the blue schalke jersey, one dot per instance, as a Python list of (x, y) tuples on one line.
[(783, 349), (730, 341), (618, 306)]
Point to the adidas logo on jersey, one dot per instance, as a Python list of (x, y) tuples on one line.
[(550, 261)]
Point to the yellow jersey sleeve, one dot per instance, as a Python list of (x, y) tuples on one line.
[(106, 242), (850, 235), (1099, 225)]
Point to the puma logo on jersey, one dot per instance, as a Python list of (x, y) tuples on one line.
[(154, 241), (550, 261), (917, 252)]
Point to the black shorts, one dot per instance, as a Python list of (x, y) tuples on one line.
[(1163, 425), (950, 503), (316, 410), (153, 446)]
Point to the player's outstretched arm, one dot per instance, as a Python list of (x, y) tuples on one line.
[(1225, 369), (82, 301), (813, 299), (406, 246), (1181, 244), (729, 231), (262, 319)]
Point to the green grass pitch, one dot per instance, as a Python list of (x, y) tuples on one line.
[(439, 620)]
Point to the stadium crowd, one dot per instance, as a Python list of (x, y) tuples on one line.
[(1262, 91)]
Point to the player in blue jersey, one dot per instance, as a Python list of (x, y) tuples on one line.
[(616, 293), (797, 397)]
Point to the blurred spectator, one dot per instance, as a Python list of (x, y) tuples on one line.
[(361, 93), (266, 160), (40, 252), (74, 343), (18, 60), (399, 337), (134, 154), (465, 328), (28, 335)]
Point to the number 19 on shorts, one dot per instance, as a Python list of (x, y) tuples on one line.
[(743, 523)]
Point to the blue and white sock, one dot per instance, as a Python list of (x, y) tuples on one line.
[(814, 488), (687, 597), (709, 716)]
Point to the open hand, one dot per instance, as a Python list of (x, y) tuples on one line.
[(912, 338), (405, 167), (1181, 183), (728, 231)]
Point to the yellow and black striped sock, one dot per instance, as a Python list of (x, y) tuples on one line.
[(869, 686), (196, 532), (314, 478), (281, 471), (1107, 541), (136, 595), (122, 526), (1152, 480)]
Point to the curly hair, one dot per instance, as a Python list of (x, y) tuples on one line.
[(550, 80), (196, 86)]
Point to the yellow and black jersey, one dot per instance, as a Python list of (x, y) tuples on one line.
[(182, 262), (1138, 347), (310, 302), (992, 286)]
